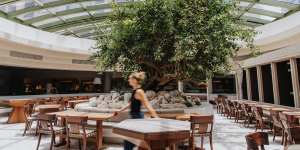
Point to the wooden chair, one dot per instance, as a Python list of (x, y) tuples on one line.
[(29, 117), (295, 133), (223, 107), (287, 129), (257, 140), (219, 105), (201, 126), (239, 113), (247, 114), (230, 112), (77, 129), (46, 127), (261, 121), (276, 125)]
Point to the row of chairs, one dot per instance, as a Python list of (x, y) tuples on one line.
[(276, 122), (75, 127), (31, 115)]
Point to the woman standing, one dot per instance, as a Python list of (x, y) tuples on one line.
[(138, 98)]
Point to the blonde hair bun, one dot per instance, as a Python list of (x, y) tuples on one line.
[(140, 76)]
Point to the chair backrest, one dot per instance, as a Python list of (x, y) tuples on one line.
[(202, 124), (29, 109), (46, 123), (257, 113), (244, 108), (257, 140), (275, 117), (286, 126), (75, 124), (284, 120)]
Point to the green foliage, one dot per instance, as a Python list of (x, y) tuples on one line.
[(179, 39)]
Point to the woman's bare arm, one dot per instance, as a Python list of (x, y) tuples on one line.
[(122, 109), (140, 95)]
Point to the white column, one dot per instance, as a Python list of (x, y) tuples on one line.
[(248, 79), (260, 83), (295, 81), (237, 87), (275, 83), (180, 86)]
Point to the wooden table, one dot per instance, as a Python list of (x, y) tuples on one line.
[(48, 106), (153, 134), (73, 103), (292, 116), (17, 115), (186, 117), (98, 117)]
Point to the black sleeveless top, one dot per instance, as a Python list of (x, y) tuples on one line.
[(135, 106)]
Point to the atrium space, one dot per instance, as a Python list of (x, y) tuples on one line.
[(150, 74)]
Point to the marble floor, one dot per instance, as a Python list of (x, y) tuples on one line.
[(227, 136)]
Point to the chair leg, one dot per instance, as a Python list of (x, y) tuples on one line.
[(282, 139), (285, 140), (202, 141), (79, 144), (211, 142), (191, 143), (39, 141), (84, 144), (52, 141), (68, 143), (274, 132), (25, 129), (36, 128)]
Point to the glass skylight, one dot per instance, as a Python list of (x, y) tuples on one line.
[(292, 1), (44, 22), (65, 7), (94, 3), (261, 17), (271, 8), (11, 7), (101, 11), (52, 17), (35, 14), (75, 15)]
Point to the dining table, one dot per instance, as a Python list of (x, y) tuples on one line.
[(154, 133), (292, 116), (186, 117), (17, 115), (48, 106), (98, 117)]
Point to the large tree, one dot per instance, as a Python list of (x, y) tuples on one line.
[(186, 40)]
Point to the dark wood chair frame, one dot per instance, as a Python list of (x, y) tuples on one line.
[(202, 126), (257, 140)]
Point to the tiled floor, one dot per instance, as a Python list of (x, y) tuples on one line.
[(227, 136)]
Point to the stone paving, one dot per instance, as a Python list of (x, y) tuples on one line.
[(227, 136)]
